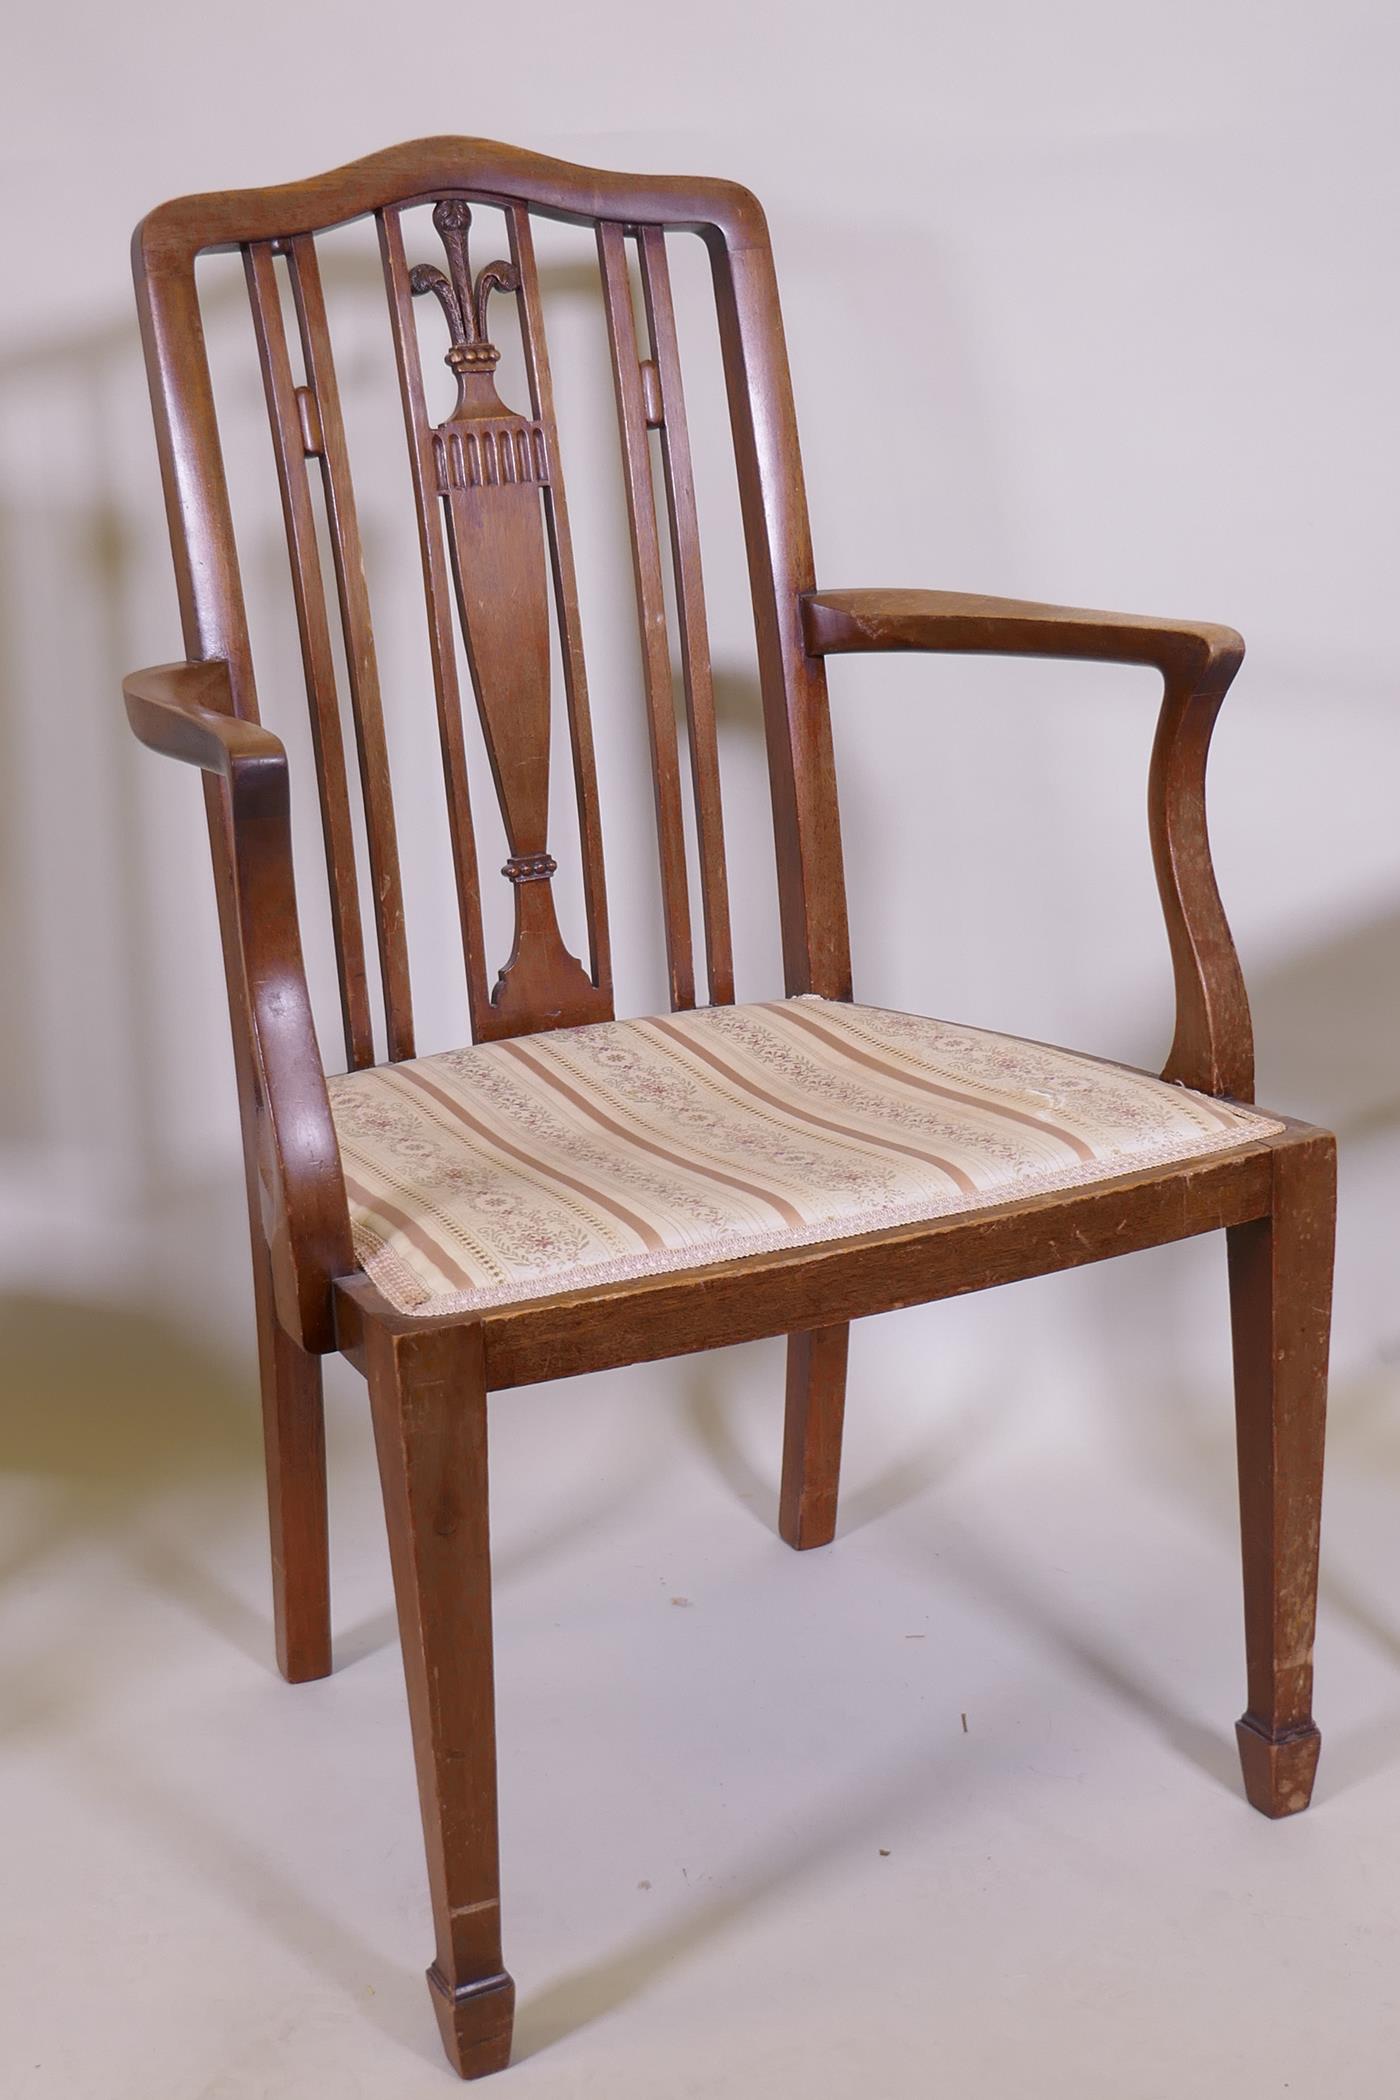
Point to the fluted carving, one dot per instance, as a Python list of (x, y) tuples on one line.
[(490, 464)]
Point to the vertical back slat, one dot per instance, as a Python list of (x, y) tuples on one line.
[(690, 602), (561, 555), (380, 833), (438, 589), (777, 535), (318, 657), (651, 611)]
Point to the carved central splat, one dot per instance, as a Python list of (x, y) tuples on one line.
[(491, 465)]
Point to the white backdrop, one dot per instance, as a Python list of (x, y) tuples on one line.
[(1093, 304)]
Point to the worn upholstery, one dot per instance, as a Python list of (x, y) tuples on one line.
[(591, 1155)]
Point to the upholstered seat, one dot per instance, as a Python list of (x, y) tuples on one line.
[(590, 1155)]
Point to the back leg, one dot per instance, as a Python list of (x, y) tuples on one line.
[(1280, 1306), (294, 1445), (816, 1408)]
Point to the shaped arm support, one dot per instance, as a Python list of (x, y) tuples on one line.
[(1213, 1047), (185, 711)]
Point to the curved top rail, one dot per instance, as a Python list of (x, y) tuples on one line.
[(172, 234)]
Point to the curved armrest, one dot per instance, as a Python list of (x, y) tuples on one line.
[(837, 623), (1213, 1047), (184, 711)]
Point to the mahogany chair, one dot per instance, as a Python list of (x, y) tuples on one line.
[(571, 1191)]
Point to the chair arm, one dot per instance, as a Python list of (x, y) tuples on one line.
[(1213, 1047), (185, 712), (838, 623)]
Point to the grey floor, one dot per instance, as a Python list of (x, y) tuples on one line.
[(950, 1808)]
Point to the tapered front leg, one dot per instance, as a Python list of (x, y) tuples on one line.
[(1280, 1303), (816, 1408), (428, 1396), (294, 1447)]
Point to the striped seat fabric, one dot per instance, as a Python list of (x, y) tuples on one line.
[(592, 1155)]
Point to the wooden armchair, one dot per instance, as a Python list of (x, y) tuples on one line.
[(572, 1191)]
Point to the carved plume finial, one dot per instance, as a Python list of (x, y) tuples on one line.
[(463, 300)]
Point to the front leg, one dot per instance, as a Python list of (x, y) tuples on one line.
[(1280, 1305), (428, 1398)]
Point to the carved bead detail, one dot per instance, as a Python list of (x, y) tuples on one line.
[(530, 867), (472, 357)]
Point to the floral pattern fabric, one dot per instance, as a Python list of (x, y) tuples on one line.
[(591, 1155)]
